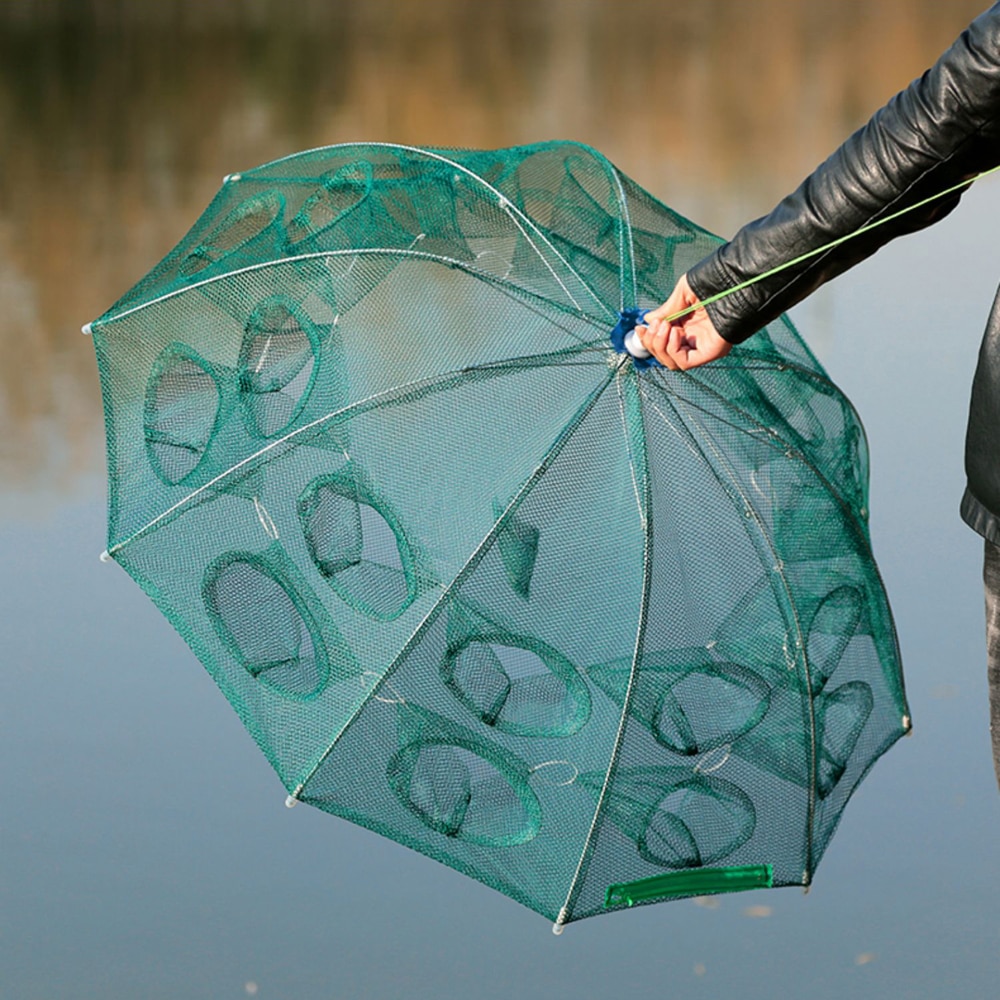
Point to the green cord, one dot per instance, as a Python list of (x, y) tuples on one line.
[(829, 246)]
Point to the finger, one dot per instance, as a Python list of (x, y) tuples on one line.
[(677, 347), (673, 304), (646, 333), (676, 301), (701, 348), (643, 333), (662, 352), (667, 361), (657, 339), (654, 338)]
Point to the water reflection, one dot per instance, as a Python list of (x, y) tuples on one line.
[(118, 121)]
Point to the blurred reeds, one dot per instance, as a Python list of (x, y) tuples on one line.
[(118, 119)]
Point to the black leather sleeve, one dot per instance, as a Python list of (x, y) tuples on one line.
[(944, 128)]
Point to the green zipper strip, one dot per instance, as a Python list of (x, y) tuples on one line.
[(695, 882)]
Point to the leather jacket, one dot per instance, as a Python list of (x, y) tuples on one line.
[(943, 129)]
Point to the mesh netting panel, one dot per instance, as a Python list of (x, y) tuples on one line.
[(593, 634)]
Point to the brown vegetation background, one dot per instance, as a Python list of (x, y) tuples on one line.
[(118, 119)]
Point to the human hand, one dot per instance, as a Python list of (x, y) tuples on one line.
[(686, 342)]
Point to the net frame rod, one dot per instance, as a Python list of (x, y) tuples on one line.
[(539, 361), (316, 255), (643, 504), (505, 207), (553, 452), (625, 228), (433, 155), (730, 484)]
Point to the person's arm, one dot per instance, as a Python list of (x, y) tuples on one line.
[(944, 128)]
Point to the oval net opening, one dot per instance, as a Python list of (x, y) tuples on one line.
[(517, 687), (329, 204), (457, 792), (276, 367), (708, 707), (698, 822), (242, 225), (181, 410), (265, 628), (364, 555)]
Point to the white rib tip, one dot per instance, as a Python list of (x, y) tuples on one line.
[(105, 556), (87, 329), (231, 177), (907, 725), (634, 346), (291, 802), (558, 928)]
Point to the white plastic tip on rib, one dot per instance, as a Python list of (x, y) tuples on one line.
[(634, 346), (87, 329), (105, 556), (231, 177), (291, 802), (558, 928)]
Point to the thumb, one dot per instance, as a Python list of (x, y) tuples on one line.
[(679, 299)]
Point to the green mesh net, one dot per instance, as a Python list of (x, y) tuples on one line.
[(592, 632)]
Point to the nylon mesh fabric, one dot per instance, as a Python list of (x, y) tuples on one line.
[(469, 577)]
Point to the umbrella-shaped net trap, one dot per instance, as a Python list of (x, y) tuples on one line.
[(592, 632)]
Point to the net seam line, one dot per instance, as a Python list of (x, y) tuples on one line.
[(317, 254), (764, 363), (526, 300), (505, 207), (778, 443), (626, 228), (732, 486), (501, 197), (769, 436), (647, 574), (631, 458), (538, 361), (555, 449)]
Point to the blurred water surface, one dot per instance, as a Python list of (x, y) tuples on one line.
[(144, 849)]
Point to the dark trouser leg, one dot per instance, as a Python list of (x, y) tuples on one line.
[(991, 579)]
